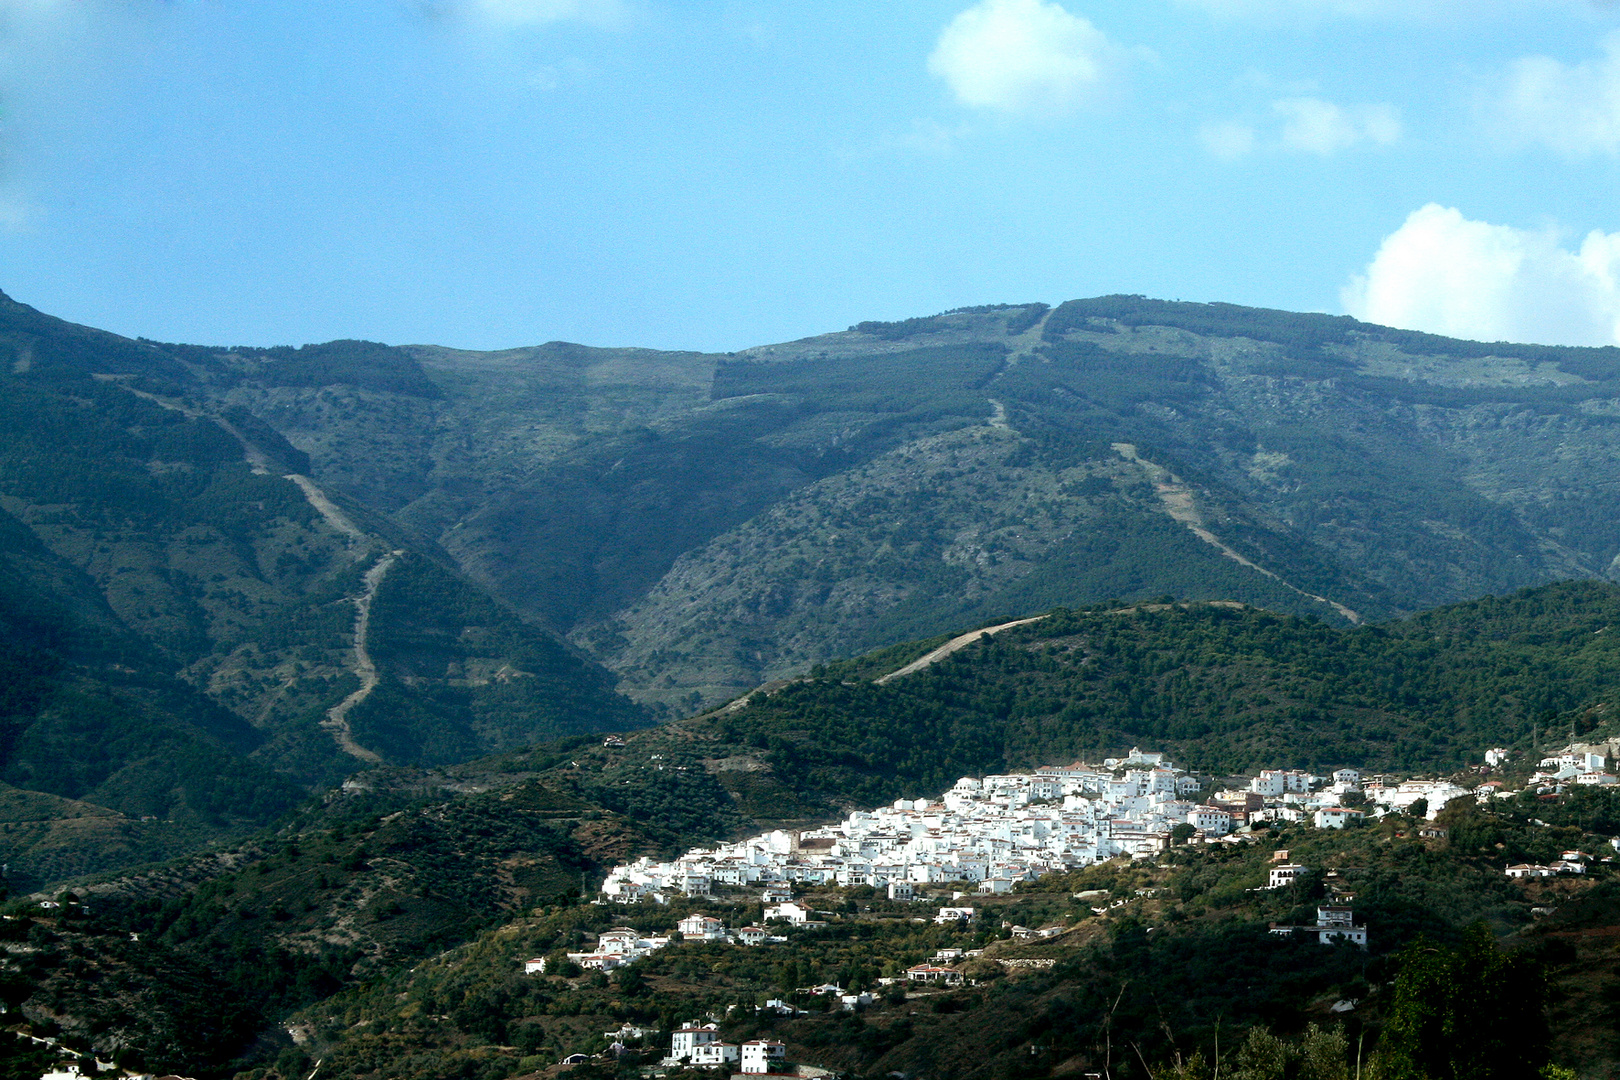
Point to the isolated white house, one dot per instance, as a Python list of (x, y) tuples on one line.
[(793, 913), (930, 973), (1285, 875), (1528, 870), (1335, 924)]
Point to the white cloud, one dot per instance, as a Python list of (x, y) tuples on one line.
[(1023, 56), (1572, 108), (515, 13), (1442, 273), (1321, 127)]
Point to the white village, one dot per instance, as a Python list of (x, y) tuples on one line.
[(988, 833)]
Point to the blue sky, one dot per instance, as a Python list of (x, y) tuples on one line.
[(713, 175)]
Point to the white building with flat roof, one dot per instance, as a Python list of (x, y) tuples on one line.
[(763, 1056)]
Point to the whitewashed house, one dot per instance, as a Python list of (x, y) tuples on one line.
[(715, 1054), (1210, 820), (930, 973), (1335, 817), (1529, 870), (701, 928), (763, 1056), (1285, 875), (689, 1042), (1334, 924), (791, 912)]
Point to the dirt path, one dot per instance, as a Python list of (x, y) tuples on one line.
[(337, 717), (1177, 499), (956, 643), (1019, 349), (257, 460), (1023, 346), (328, 510)]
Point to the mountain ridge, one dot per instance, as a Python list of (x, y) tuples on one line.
[(704, 524)]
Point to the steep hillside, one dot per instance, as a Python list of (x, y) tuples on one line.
[(1151, 964), (383, 925), (349, 549), (702, 524), (198, 632), (185, 966), (1219, 686)]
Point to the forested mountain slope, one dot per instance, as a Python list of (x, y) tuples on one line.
[(325, 923), (197, 633), (702, 524), (1221, 687), (352, 552)]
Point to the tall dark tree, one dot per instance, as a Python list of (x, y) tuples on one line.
[(1473, 1012)]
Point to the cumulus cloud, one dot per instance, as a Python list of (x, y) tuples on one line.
[(1442, 273), (1023, 56), (1572, 108), (1321, 127)]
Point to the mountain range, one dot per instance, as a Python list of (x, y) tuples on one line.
[(231, 576)]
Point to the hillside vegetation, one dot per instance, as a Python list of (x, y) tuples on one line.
[(182, 611), (386, 922), (702, 524), (1155, 964), (1220, 687)]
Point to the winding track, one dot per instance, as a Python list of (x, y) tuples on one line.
[(1177, 499), (337, 717), (961, 641)]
